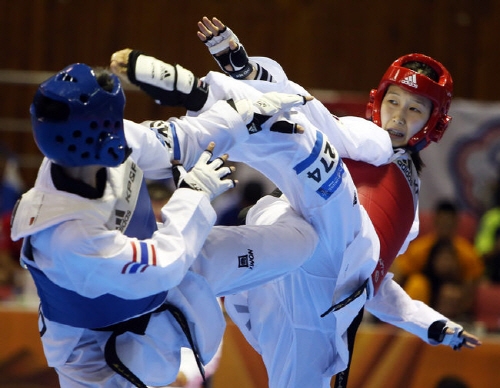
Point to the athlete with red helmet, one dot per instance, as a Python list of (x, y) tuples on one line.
[(411, 104), (421, 76), (288, 320)]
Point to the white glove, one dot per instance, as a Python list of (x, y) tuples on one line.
[(210, 177), (256, 113)]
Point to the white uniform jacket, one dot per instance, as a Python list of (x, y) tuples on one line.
[(100, 261), (293, 339)]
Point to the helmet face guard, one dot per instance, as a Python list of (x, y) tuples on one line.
[(440, 94), (78, 123)]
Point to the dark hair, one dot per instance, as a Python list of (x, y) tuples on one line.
[(436, 282), (104, 79), (417, 161), (445, 205), (422, 68), (451, 382)]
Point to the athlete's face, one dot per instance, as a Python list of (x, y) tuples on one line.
[(403, 114)]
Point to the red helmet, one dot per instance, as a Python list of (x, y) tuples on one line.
[(439, 93)]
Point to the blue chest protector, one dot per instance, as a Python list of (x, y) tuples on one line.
[(70, 308)]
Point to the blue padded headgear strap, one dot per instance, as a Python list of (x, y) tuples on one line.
[(78, 123)]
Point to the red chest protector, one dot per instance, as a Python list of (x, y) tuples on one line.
[(389, 195)]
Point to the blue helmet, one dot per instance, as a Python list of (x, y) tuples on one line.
[(76, 122)]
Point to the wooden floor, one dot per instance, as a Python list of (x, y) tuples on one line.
[(384, 357)]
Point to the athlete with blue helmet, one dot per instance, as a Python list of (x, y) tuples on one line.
[(120, 294), (83, 124)]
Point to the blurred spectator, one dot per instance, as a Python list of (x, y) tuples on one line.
[(445, 225), (451, 382), (492, 260), (488, 224), (8, 263), (415, 259), (440, 285), (11, 187), (250, 194), (160, 193)]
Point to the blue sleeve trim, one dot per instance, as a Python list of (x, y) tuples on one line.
[(313, 156), (176, 146)]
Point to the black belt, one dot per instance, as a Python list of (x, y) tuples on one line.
[(138, 326), (182, 321), (347, 300), (341, 378)]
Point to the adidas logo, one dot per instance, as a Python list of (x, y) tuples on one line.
[(411, 80), (164, 73), (121, 219)]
